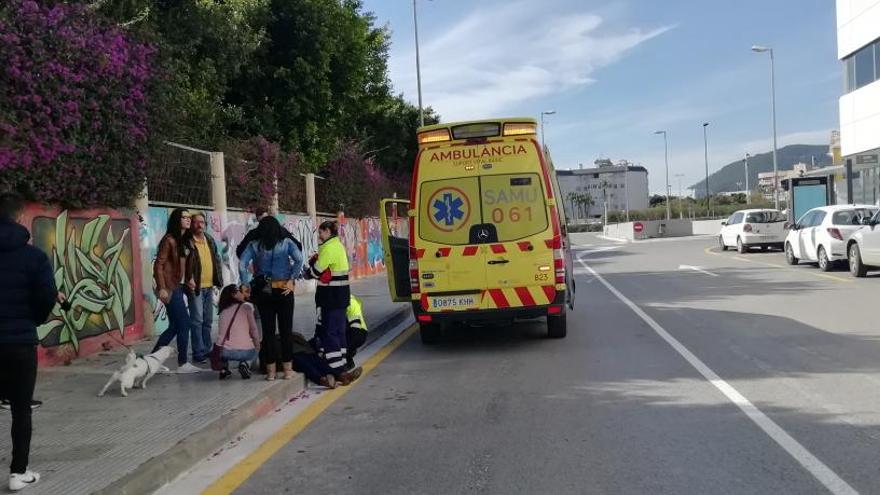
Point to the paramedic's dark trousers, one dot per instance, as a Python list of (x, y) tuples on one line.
[(332, 336), (313, 366), (354, 339), (18, 376)]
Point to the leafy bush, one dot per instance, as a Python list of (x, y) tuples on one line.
[(251, 169), (74, 105), (355, 184)]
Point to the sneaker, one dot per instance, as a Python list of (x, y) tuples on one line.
[(6, 405), (187, 368), (21, 481), (244, 369), (224, 374)]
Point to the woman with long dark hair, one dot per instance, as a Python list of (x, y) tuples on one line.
[(278, 262), (237, 331), (168, 270)]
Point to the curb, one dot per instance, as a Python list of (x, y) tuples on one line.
[(164, 468), (157, 472), (391, 321)]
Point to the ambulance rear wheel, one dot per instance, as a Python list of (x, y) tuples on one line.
[(431, 333), (556, 327)]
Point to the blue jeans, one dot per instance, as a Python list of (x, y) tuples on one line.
[(178, 325), (201, 318), (239, 355)]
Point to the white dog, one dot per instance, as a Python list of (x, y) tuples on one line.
[(137, 371)]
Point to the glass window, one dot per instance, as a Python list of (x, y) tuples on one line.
[(818, 218), (877, 60), (737, 218), (764, 217), (806, 219), (449, 209), (865, 66)]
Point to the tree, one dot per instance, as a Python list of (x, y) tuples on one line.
[(77, 107)]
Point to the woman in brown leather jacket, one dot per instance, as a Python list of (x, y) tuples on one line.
[(168, 270)]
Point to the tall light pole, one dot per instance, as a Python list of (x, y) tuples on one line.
[(680, 207), (748, 191), (706, 147), (418, 65), (762, 49), (666, 155), (548, 112)]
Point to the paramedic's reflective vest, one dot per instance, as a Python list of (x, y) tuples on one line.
[(331, 270), (355, 315)]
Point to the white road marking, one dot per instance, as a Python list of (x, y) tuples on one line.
[(696, 269), (811, 463)]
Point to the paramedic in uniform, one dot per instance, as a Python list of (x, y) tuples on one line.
[(330, 268)]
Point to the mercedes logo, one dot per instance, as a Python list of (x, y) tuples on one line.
[(484, 234)]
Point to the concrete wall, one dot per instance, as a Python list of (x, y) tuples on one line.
[(707, 227), (673, 228), (95, 256)]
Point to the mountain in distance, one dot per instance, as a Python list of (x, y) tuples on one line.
[(730, 175)]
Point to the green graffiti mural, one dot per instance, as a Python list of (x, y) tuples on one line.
[(92, 260)]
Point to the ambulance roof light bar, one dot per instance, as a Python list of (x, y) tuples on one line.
[(435, 136)]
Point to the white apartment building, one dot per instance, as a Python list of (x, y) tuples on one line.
[(622, 185), (858, 48)]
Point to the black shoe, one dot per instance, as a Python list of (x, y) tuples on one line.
[(244, 369), (6, 405), (224, 374)]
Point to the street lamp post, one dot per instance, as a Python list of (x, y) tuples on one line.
[(548, 112), (666, 155), (418, 65), (762, 49), (680, 207), (748, 191), (706, 148)]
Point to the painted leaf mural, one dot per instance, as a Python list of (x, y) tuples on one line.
[(92, 260)]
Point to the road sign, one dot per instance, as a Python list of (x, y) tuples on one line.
[(638, 227)]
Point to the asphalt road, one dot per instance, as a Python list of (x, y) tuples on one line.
[(792, 407)]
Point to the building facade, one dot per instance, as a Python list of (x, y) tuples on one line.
[(587, 190), (858, 48)]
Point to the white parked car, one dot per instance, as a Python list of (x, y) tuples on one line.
[(863, 248), (746, 229), (821, 234)]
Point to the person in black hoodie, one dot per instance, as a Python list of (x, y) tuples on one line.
[(29, 298)]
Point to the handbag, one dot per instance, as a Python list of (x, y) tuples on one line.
[(217, 350), (261, 283)]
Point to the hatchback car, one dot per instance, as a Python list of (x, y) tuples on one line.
[(747, 229), (821, 234), (864, 248)]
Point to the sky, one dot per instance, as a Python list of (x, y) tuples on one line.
[(616, 71)]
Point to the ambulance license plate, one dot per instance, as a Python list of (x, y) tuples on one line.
[(453, 302)]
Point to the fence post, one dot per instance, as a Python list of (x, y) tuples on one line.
[(274, 208), (218, 186), (311, 202), (142, 208)]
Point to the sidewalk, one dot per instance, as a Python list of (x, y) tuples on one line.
[(133, 445)]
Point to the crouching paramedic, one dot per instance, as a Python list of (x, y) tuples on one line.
[(355, 331), (330, 268)]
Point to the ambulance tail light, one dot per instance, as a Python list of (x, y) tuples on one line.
[(519, 128), (435, 136), (414, 271), (425, 318), (558, 259)]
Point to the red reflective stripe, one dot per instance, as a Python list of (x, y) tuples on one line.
[(424, 301), (498, 248), (525, 296), (470, 250), (559, 264), (549, 243), (550, 292), (420, 253), (524, 246), (444, 252), (498, 297)]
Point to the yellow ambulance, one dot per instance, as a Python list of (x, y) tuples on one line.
[(486, 239)]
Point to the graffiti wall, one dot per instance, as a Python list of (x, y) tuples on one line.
[(95, 259), (362, 239)]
